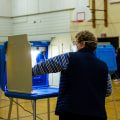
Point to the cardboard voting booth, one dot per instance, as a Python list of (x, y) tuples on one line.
[(17, 57), (19, 67)]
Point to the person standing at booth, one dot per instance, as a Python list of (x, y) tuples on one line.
[(84, 81), (40, 57)]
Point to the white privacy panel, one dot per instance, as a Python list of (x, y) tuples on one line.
[(55, 50), (66, 50), (66, 44), (56, 79), (60, 44), (55, 76), (50, 79)]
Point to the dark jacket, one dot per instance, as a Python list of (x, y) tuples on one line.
[(83, 85)]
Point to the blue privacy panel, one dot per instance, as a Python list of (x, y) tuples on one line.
[(107, 54), (2, 66), (39, 43), (37, 81), (41, 80), (0, 63), (1, 47)]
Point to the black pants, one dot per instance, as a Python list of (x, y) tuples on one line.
[(77, 117)]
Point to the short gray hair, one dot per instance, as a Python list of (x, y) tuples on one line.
[(88, 37)]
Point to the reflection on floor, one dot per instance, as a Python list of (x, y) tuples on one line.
[(112, 107)]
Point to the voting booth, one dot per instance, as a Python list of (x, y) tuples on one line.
[(1, 63), (18, 56), (107, 54)]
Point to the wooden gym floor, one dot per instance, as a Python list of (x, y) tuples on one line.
[(112, 107)]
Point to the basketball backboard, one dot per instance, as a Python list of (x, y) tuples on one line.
[(81, 14)]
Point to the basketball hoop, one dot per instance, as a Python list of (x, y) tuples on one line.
[(78, 21), (80, 17), (81, 14)]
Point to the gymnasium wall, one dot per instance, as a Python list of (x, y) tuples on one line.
[(113, 29), (5, 28), (44, 23)]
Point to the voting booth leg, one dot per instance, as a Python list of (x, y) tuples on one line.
[(48, 108), (116, 76), (34, 109), (17, 109), (10, 108), (115, 106), (32, 104), (114, 101), (0, 94)]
